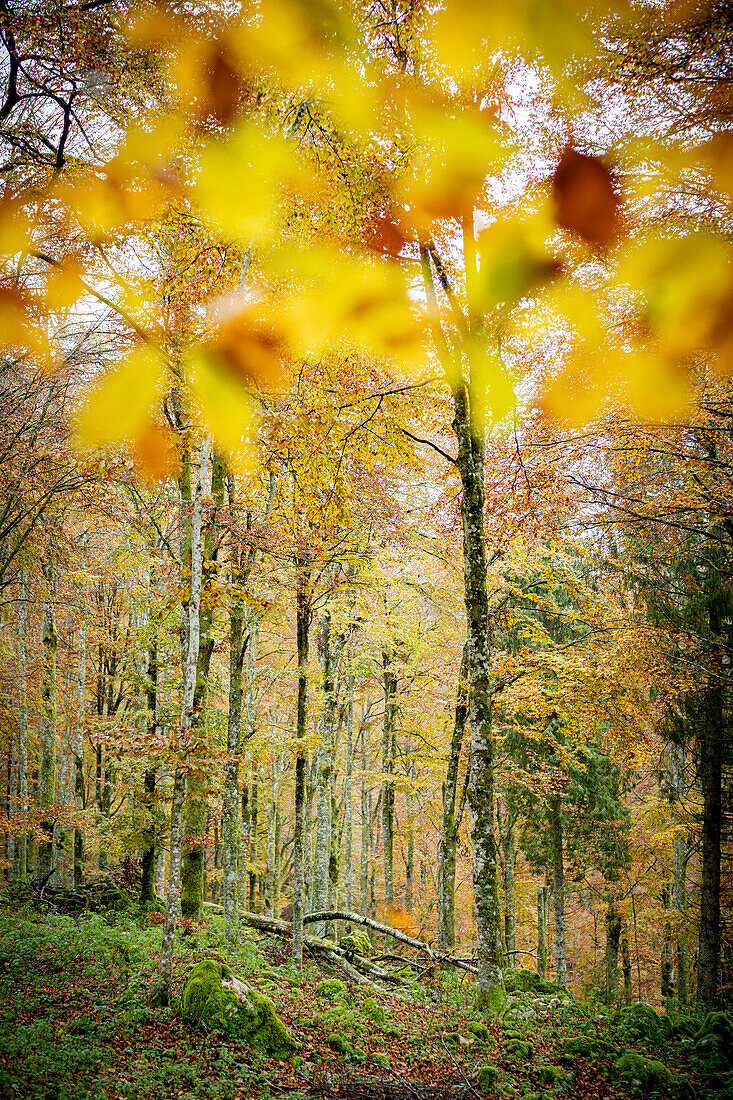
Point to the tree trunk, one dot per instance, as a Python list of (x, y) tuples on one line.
[(554, 822), (78, 749), (448, 841), (388, 767), (613, 935), (21, 851), (666, 969), (470, 462), (303, 619), (505, 824), (147, 882), (710, 766), (626, 963), (348, 779), (253, 822), (47, 788), (365, 824), (192, 632), (542, 931)]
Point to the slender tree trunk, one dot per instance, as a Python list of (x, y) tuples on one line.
[(681, 850), (147, 883), (613, 935), (542, 931), (410, 859), (666, 968), (160, 848), (161, 994), (348, 793), (21, 852), (303, 619), (448, 840), (505, 824), (388, 768), (626, 963), (47, 790), (365, 825), (554, 821), (253, 818), (78, 750), (711, 761), (238, 641)]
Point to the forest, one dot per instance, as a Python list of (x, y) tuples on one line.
[(366, 549)]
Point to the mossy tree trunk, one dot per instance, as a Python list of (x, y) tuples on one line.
[(147, 881), (388, 768), (505, 820), (303, 621), (196, 807), (666, 967), (348, 792), (21, 849), (47, 782), (452, 816), (365, 820), (190, 654), (710, 771), (626, 963), (554, 822), (542, 931)]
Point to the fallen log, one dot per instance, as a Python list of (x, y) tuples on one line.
[(386, 930)]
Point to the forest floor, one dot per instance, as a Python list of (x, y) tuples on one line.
[(75, 1025)]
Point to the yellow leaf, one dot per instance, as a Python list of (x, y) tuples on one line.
[(64, 284), (118, 408), (225, 406)]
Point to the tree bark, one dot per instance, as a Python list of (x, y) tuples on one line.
[(47, 785), (448, 840), (613, 935), (161, 993), (711, 754), (21, 851), (505, 824), (388, 768), (303, 619), (542, 931), (554, 821)]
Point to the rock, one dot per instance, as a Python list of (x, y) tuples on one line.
[(225, 1004), (480, 1031), (358, 942), (528, 981), (578, 1048), (373, 1010), (549, 1075), (519, 1050), (641, 1075), (486, 1076), (638, 1023), (714, 1042), (339, 1044), (685, 1027)]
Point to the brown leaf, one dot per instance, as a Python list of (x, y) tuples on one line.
[(585, 198), (225, 88)]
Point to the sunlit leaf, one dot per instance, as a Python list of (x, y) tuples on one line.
[(514, 261), (585, 198), (64, 284), (154, 452), (118, 408), (225, 406)]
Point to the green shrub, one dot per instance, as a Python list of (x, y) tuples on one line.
[(332, 989), (714, 1042)]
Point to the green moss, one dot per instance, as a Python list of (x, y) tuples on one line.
[(480, 1031), (491, 1001), (380, 1059), (641, 1075), (528, 981), (358, 942), (578, 1048), (685, 1027), (714, 1042), (519, 1050), (218, 1000), (486, 1076), (549, 1075), (638, 1023), (339, 1044), (373, 1010), (332, 989)]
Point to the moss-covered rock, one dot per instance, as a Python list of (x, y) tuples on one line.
[(358, 942), (224, 1004), (714, 1042), (550, 1075), (480, 1031), (641, 1075), (638, 1023), (339, 1044), (332, 989), (578, 1048), (519, 1050), (685, 1027), (373, 1010), (528, 981), (486, 1076)]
